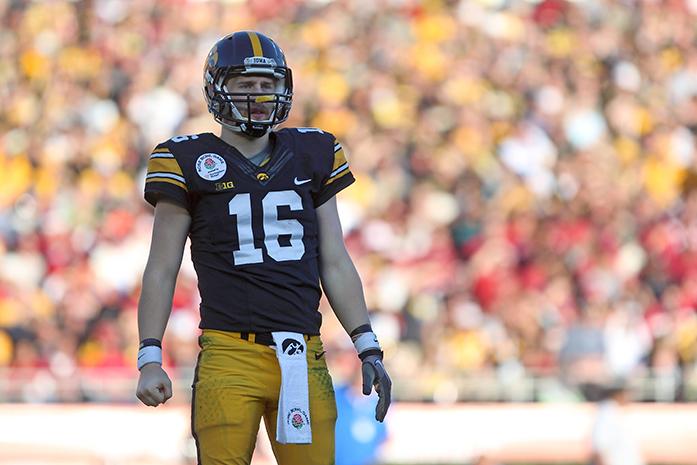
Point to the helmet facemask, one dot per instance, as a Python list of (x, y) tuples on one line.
[(234, 110)]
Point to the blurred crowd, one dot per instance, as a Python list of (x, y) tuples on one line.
[(525, 205)]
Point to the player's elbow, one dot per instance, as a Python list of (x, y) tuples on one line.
[(339, 270), (334, 263), (333, 254)]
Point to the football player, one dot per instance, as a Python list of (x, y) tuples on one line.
[(259, 206)]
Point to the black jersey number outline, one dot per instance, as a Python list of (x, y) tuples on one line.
[(241, 206)]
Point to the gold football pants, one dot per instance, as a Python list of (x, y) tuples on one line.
[(237, 382)]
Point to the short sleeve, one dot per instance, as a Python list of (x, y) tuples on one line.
[(337, 179), (165, 178)]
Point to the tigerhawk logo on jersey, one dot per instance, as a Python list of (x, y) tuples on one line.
[(292, 347), (211, 166)]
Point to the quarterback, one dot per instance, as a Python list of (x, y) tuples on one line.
[(259, 206)]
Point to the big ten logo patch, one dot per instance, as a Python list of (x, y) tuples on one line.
[(223, 186)]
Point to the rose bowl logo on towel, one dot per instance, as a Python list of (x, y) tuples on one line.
[(292, 346), (211, 166), (297, 418)]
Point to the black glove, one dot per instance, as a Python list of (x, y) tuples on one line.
[(374, 374)]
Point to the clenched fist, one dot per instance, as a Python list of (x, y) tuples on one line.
[(154, 386)]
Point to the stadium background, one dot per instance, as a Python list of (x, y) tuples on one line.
[(524, 219)]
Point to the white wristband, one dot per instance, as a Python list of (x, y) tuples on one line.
[(149, 354), (366, 341)]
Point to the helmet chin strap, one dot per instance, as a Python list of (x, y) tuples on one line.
[(251, 132), (238, 127)]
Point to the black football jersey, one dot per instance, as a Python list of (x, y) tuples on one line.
[(254, 232)]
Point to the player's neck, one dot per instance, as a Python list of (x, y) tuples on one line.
[(247, 146)]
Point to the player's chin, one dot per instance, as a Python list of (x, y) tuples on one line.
[(260, 116)]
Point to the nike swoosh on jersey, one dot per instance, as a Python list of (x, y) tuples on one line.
[(299, 182), (318, 356)]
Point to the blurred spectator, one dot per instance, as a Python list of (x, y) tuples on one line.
[(613, 442), (525, 202)]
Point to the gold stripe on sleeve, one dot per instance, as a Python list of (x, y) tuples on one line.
[(167, 165), (339, 159), (161, 150)]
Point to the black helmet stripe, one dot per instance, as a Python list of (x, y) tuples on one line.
[(256, 44)]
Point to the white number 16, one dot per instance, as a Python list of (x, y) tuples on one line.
[(241, 206)]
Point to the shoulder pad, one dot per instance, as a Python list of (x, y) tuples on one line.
[(312, 132), (314, 137), (182, 140), (308, 130)]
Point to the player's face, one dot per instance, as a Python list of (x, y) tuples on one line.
[(260, 111)]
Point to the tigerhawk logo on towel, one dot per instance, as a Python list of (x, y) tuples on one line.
[(292, 347)]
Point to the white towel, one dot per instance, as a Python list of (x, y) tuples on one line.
[(293, 421)]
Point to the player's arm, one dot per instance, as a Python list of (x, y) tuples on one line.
[(170, 229), (342, 285), (340, 279)]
